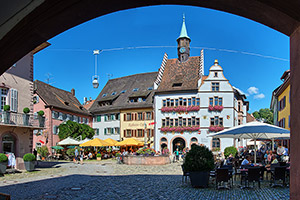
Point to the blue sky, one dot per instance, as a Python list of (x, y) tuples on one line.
[(257, 58)]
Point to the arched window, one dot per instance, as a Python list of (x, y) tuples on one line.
[(194, 140), (163, 139), (215, 143), (8, 143)]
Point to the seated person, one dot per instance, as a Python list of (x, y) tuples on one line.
[(274, 161), (246, 161)]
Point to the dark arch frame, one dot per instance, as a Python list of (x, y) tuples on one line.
[(21, 34)]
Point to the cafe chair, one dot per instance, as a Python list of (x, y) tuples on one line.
[(278, 174), (254, 174), (222, 176)]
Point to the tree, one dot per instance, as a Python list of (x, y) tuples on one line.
[(74, 130), (264, 114)]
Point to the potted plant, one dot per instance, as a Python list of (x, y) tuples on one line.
[(43, 152), (199, 161), (29, 161), (6, 114), (99, 155), (3, 163), (230, 150), (26, 116), (41, 118)]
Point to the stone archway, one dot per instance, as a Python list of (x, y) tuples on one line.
[(9, 143), (25, 25), (178, 143)]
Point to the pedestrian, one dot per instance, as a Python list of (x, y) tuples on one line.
[(35, 153), (76, 155), (81, 157), (177, 154)]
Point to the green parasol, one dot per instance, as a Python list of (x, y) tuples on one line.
[(57, 147), (71, 147)]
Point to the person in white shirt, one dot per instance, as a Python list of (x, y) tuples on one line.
[(280, 152), (246, 161)]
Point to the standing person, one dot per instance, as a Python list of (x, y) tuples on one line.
[(76, 155), (177, 154), (35, 153), (280, 152)]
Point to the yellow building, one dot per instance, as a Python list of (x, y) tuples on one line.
[(283, 98), (134, 123)]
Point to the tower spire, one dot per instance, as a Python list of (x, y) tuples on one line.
[(183, 33)]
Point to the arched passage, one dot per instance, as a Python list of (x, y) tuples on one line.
[(25, 25)]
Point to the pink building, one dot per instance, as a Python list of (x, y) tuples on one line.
[(59, 106)]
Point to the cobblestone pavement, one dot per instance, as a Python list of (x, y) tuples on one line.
[(108, 180)]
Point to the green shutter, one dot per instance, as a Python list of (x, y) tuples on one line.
[(98, 118), (105, 131)]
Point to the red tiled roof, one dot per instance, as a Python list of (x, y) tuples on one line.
[(184, 73), (88, 104)]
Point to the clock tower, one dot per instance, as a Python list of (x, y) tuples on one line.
[(183, 44)]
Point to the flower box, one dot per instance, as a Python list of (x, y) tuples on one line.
[(215, 108), (216, 128), (180, 129), (181, 109)]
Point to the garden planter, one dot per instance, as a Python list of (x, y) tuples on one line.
[(29, 165), (41, 121), (25, 119), (3, 167), (199, 179), (6, 117), (98, 158)]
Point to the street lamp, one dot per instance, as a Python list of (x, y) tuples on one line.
[(96, 77)]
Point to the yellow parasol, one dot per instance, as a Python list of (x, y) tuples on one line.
[(86, 144), (95, 143), (130, 142), (111, 141), (99, 143)]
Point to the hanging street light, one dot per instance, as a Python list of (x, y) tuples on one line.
[(96, 77)]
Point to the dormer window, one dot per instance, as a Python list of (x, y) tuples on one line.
[(104, 95), (67, 103), (216, 74), (150, 88), (177, 85), (215, 86), (135, 89), (113, 93), (123, 91)]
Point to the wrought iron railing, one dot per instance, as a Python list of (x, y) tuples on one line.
[(21, 119)]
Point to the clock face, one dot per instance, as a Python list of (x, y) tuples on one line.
[(182, 50)]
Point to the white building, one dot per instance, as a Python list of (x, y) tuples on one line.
[(189, 106)]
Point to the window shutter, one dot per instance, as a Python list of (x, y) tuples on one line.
[(124, 117), (143, 116), (132, 116), (104, 131), (135, 116), (152, 133), (54, 130), (124, 133), (152, 115)]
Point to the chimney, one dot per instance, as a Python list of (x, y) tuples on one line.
[(73, 91), (90, 98), (84, 100)]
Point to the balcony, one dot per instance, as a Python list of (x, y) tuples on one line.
[(21, 120)]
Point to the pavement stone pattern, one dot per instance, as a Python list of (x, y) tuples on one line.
[(108, 180)]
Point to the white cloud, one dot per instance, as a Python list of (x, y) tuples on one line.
[(259, 96), (252, 90)]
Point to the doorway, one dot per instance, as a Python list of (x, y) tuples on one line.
[(8, 144), (178, 143)]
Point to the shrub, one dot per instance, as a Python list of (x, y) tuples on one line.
[(199, 158), (43, 151), (6, 107), (118, 154), (145, 151), (41, 113), (26, 110), (71, 152), (29, 157), (98, 155), (3, 157), (230, 150)]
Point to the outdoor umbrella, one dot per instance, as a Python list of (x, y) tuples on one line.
[(71, 147), (85, 140), (130, 142), (111, 141), (57, 147), (253, 130), (98, 143), (86, 144), (68, 141)]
